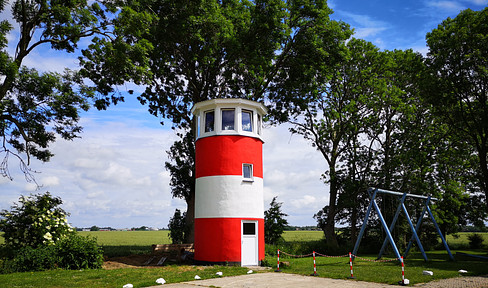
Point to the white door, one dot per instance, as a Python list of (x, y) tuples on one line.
[(249, 243)]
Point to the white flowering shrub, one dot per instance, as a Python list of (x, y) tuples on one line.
[(37, 220), (38, 237)]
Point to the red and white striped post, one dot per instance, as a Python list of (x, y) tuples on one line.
[(278, 265), (350, 265), (403, 271), (314, 266)]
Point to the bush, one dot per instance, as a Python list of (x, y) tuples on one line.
[(38, 237), (475, 241), (31, 259), (37, 221), (78, 252), (74, 252)]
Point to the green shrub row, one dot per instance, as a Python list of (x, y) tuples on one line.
[(74, 252)]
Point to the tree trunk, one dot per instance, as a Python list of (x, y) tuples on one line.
[(483, 154), (354, 220), (190, 219), (331, 213)]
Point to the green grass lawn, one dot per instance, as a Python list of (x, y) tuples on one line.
[(120, 243), (143, 277), (385, 272)]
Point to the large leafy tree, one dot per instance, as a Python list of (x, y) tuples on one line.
[(182, 170), (36, 107), (189, 51), (458, 60), (337, 116)]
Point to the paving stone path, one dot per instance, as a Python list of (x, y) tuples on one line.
[(284, 280)]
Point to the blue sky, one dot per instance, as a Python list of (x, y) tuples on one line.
[(114, 175)]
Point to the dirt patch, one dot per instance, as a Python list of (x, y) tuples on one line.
[(132, 261)]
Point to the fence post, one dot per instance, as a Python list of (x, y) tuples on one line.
[(403, 272), (350, 264), (278, 265), (314, 266)]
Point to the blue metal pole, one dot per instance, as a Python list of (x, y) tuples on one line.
[(417, 227), (388, 234), (365, 223), (414, 232), (392, 225), (440, 233)]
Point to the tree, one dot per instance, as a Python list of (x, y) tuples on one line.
[(457, 60), (36, 221), (36, 107), (189, 51), (177, 227), (338, 114), (274, 222), (182, 171)]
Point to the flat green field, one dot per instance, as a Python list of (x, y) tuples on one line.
[(147, 238), (129, 238), (303, 235)]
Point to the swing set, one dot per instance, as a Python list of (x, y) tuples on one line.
[(373, 192)]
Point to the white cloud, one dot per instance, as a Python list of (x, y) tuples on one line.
[(365, 26), (49, 181), (478, 2), (449, 6)]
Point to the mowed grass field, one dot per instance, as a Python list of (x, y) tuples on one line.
[(136, 242), (147, 238), (141, 238)]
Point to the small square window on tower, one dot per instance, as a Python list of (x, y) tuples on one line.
[(247, 172)]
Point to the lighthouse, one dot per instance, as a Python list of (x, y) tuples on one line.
[(229, 209)]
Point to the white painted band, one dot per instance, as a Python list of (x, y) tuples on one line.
[(229, 197)]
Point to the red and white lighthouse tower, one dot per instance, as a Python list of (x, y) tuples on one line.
[(229, 209)]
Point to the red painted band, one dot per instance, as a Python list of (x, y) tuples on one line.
[(219, 239), (224, 155)]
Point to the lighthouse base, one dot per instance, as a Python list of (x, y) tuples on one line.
[(222, 241)]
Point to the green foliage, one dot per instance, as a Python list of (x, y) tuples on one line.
[(37, 220), (177, 227), (31, 259), (73, 252), (36, 107), (475, 241), (94, 228), (458, 62), (78, 252), (274, 222), (38, 237)]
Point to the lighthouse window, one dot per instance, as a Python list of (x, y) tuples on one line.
[(247, 172), (248, 228), (209, 121), (228, 119), (246, 121)]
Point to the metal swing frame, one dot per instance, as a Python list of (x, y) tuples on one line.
[(373, 192)]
